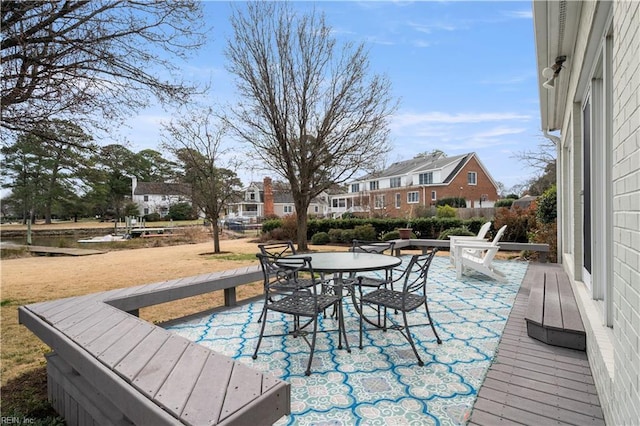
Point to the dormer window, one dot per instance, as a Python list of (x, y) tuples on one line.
[(373, 185), (355, 187), (425, 178), (395, 182)]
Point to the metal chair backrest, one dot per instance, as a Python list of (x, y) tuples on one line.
[(415, 275), (364, 246), (279, 249), (282, 276)]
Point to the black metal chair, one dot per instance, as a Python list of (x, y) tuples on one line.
[(412, 296), (379, 247), (301, 301), (278, 250)]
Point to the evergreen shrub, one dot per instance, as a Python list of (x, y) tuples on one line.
[(446, 211), (320, 238), (461, 231)]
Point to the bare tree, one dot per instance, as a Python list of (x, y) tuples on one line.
[(543, 159), (197, 141), (313, 113), (96, 59)]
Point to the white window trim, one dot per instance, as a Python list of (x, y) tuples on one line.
[(475, 179)]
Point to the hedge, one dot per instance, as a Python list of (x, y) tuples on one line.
[(423, 227)]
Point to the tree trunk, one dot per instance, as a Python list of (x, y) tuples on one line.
[(301, 220), (216, 236)]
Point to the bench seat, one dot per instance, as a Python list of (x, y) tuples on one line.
[(552, 312), (111, 367)]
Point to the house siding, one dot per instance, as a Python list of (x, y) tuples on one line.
[(613, 352), (625, 393)]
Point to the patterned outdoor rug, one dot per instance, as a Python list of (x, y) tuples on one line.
[(382, 383)]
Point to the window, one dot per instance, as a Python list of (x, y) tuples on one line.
[(395, 182), (398, 200), (338, 202), (379, 201), (472, 178), (355, 187), (315, 209), (413, 197), (425, 178), (288, 209), (373, 185), (146, 211), (596, 186), (434, 196), (252, 196), (146, 198)]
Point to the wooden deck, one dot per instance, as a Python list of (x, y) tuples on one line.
[(52, 251), (533, 383), (111, 367)]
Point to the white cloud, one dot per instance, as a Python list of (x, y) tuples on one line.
[(520, 14), (500, 131), (411, 119)]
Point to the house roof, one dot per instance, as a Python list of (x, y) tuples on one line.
[(422, 164), (162, 188)]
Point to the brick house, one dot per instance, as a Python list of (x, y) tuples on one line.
[(420, 182), (157, 197), (589, 86)]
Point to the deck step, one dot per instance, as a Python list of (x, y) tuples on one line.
[(552, 312)]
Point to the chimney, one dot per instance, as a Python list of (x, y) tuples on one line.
[(269, 209)]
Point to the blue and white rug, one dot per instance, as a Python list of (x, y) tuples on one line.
[(381, 384)]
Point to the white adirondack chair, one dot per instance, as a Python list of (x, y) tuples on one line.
[(478, 256), (454, 239)]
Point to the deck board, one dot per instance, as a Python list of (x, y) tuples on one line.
[(113, 354), (205, 403), (245, 384), (136, 360), (154, 373), (175, 391)]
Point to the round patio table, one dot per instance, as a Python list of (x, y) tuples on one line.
[(340, 262)]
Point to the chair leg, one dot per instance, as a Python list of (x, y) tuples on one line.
[(433, 328), (342, 331), (407, 334), (360, 321), (313, 346), (264, 323)]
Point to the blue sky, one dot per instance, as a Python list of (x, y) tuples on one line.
[(464, 72)]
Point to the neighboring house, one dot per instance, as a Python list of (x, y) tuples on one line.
[(421, 181), (157, 197), (268, 198), (591, 95)]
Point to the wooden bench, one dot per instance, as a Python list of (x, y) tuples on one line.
[(542, 249), (109, 367), (552, 312)]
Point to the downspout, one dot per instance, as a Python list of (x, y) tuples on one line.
[(559, 191)]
